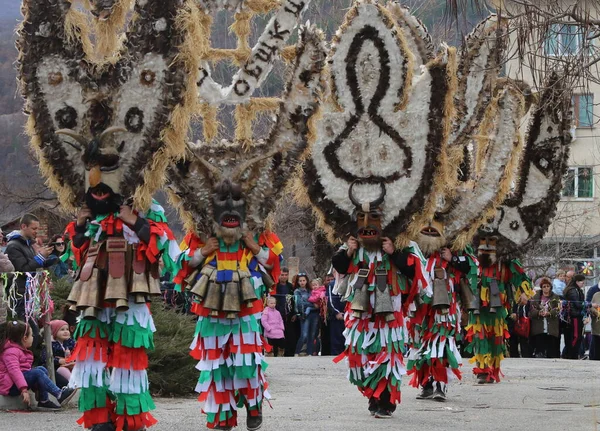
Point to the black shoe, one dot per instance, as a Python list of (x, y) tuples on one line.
[(223, 428), (383, 414), (373, 405), (48, 405), (254, 422), (426, 393), (65, 395), (108, 426), (439, 394), (482, 378)]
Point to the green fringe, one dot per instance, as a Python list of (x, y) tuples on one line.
[(373, 380), (134, 403), (211, 418), (133, 336), (93, 397), (207, 328), (94, 328)]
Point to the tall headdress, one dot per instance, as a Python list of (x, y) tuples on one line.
[(238, 182), (106, 125), (394, 113)]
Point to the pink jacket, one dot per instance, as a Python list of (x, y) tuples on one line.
[(13, 361), (272, 323), (317, 294), (5, 263)]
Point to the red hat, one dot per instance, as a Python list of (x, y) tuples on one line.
[(55, 325)]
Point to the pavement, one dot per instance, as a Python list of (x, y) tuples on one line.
[(312, 393)]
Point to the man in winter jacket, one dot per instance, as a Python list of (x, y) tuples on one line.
[(27, 256)]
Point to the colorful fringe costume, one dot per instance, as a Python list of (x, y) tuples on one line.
[(115, 334), (375, 342), (487, 331), (229, 347), (434, 331)]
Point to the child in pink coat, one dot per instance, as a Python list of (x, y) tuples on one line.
[(272, 323), (16, 374)]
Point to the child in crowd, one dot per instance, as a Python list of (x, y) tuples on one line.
[(317, 295), (62, 346), (272, 323), (16, 374), (308, 315)]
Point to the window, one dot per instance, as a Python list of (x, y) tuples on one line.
[(579, 183), (567, 39), (583, 109)]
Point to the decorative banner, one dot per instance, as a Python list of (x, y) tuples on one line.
[(38, 302)]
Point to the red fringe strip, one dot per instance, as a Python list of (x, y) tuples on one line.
[(128, 358), (492, 373), (98, 415), (86, 346), (437, 370), (134, 422)]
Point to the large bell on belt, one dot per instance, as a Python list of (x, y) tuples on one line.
[(122, 305), (190, 279), (116, 288), (231, 299), (470, 302), (90, 292), (75, 292), (267, 280), (90, 313), (360, 302), (247, 288), (139, 283), (495, 301), (213, 299), (441, 300), (200, 287), (383, 302)]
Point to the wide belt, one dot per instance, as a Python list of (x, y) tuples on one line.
[(116, 248)]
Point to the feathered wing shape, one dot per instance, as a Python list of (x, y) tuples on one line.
[(417, 38), (480, 62), (145, 96), (498, 149), (383, 127), (524, 217), (263, 169)]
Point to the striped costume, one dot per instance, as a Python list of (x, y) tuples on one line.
[(375, 344), (114, 336), (229, 348), (488, 331)]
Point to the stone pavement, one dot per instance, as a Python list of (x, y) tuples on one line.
[(313, 394)]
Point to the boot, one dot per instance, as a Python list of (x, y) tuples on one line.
[(254, 422), (426, 391), (482, 378), (440, 392), (108, 426), (223, 428), (373, 406)]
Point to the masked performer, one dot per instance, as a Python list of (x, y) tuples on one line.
[(104, 136), (519, 223), (369, 177), (434, 320), (225, 193)]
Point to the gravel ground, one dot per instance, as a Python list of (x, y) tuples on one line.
[(312, 393)]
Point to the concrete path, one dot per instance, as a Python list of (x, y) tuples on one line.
[(312, 394)]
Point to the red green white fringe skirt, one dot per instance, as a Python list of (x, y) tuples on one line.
[(231, 364), (374, 351), (116, 341)]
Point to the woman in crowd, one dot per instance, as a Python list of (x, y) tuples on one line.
[(544, 310), (59, 267), (308, 315), (574, 297)]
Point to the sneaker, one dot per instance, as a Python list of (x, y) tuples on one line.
[(426, 393), (108, 426), (254, 422), (482, 379), (383, 414), (48, 405), (439, 394), (65, 395)]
